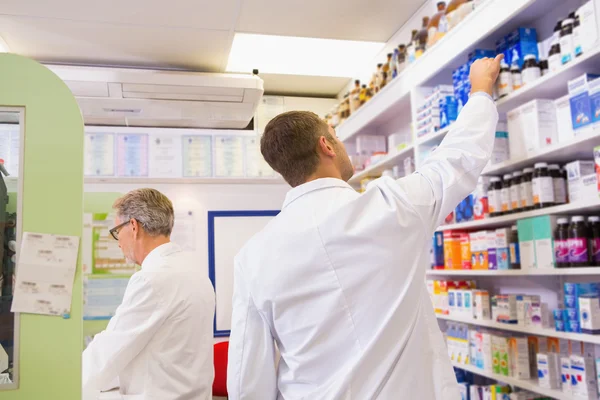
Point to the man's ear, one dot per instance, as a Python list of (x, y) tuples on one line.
[(326, 147), (135, 228)]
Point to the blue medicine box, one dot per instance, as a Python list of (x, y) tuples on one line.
[(464, 210), (594, 93), (480, 53), (522, 35), (579, 100), (448, 111)]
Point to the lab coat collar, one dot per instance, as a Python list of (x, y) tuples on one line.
[(318, 184), (159, 252)]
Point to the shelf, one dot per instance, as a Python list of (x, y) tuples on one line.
[(177, 181), (388, 162), (595, 339), (439, 135), (531, 385), (579, 148), (492, 15), (517, 272), (587, 206), (552, 85)]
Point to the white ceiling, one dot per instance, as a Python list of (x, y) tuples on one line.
[(190, 34)]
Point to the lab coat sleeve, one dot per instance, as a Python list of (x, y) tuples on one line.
[(135, 322), (251, 365), (452, 171)]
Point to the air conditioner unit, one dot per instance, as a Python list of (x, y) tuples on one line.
[(137, 97)]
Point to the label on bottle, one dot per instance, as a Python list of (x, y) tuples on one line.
[(566, 48), (543, 190), (530, 74), (505, 85), (578, 250), (517, 80), (505, 200), (577, 45), (560, 190), (515, 196), (515, 257), (493, 201), (526, 194), (561, 251), (595, 249), (554, 62)]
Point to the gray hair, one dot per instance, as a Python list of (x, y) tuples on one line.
[(150, 208)]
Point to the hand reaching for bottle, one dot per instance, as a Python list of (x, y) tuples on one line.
[(484, 73)]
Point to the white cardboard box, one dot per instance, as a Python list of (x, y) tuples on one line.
[(581, 180), (563, 120)]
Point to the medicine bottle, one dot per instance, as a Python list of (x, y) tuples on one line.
[(561, 243), (515, 191), (566, 41), (554, 57), (578, 242), (494, 203), (401, 61), (527, 190), (517, 79), (594, 245), (363, 94), (531, 70), (505, 200), (543, 187), (513, 243), (559, 184), (504, 83)]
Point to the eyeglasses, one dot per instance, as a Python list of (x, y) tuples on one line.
[(114, 232)]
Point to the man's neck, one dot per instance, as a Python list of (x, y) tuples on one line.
[(324, 173), (152, 243)]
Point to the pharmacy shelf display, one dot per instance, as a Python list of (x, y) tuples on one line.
[(530, 385), (582, 337), (387, 162), (589, 271)]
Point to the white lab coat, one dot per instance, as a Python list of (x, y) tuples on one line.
[(337, 280), (160, 342)]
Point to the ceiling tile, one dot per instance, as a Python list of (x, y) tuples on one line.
[(52, 40), (204, 14), (296, 85), (374, 20)]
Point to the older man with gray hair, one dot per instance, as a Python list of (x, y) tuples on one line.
[(159, 344)]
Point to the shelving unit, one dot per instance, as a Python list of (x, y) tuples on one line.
[(439, 135), (216, 181), (531, 385), (590, 271), (582, 207), (595, 339)]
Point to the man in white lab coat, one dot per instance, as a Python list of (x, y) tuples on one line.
[(336, 282), (159, 344)]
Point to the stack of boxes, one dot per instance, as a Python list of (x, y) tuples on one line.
[(584, 102), (439, 293), (460, 77), (536, 243), (516, 45), (366, 147), (581, 313), (437, 111)]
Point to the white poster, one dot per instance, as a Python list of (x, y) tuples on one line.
[(45, 274), (269, 108), (132, 155), (165, 156), (229, 156), (184, 231), (197, 156), (102, 294), (99, 150), (256, 166)]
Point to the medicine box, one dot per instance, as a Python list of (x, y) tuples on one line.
[(524, 310), (500, 355), (501, 151), (563, 120), (475, 248), (536, 344), (491, 250), (467, 305), (538, 120), (452, 251), (452, 310), (543, 229), (464, 210), (516, 131), (506, 308), (583, 378), (481, 302), (540, 315), (579, 98), (581, 180), (519, 358), (397, 142), (370, 144), (549, 370), (565, 374), (558, 346), (594, 92), (437, 251), (448, 110), (526, 245), (589, 312), (502, 248)]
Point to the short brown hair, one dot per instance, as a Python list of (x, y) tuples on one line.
[(150, 208), (289, 144)]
